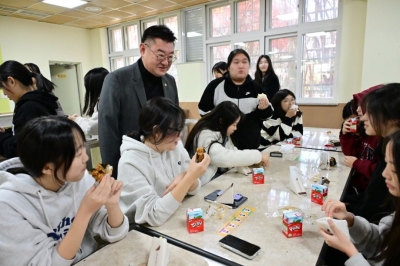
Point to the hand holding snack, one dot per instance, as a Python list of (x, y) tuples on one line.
[(97, 196), (263, 102), (265, 159), (338, 240), (196, 170), (337, 209)]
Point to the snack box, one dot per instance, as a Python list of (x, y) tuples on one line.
[(318, 193), (195, 220), (292, 224), (354, 123), (297, 141), (258, 175)]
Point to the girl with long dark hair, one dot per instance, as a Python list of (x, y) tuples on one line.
[(93, 84), (378, 243), (213, 132), (155, 167), (17, 84), (266, 77)]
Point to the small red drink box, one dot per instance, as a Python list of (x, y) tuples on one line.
[(292, 224), (195, 220), (318, 193)]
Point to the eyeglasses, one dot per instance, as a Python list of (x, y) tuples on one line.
[(161, 58)]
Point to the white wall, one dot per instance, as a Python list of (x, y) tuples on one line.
[(382, 43), (351, 49), (37, 42)]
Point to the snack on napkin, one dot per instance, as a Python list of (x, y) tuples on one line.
[(100, 171), (200, 154)]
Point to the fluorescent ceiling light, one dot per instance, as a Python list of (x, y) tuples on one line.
[(272, 52), (65, 3), (286, 56), (288, 16), (330, 45), (191, 34), (239, 43)]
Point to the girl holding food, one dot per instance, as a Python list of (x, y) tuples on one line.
[(50, 205)]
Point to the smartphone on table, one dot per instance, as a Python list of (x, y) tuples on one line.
[(240, 246), (239, 199)]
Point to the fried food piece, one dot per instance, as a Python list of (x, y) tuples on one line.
[(200, 154), (100, 171)]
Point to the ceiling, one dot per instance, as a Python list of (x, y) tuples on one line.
[(111, 12)]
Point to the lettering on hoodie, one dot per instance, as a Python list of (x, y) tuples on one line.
[(367, 153), (62, 229)]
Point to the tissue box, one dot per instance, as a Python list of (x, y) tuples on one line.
[(258, 175), (319, 193), (292, 224), (195, 220)]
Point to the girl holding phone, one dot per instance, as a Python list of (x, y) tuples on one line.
[(50, 206), (213, 132)]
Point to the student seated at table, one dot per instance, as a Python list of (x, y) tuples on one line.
[(381, 118), (358, 147), (286, 122), (213, 132), (50, 205), (155, 167), (370, 244)]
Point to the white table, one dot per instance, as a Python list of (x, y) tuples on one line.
[(262, 228)]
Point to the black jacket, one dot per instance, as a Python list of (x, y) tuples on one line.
[(247, 135), (375, 202), (31, 105), (271, 86)]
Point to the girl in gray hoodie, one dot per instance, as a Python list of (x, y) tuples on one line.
[(378, 243), (155, 167), (50, 206)]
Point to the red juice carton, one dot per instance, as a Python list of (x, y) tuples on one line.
[(258, 175), (292, 224), (195, 220), (318, 193), (354, 123)]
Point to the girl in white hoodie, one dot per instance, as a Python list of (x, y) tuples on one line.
[(93, 84), (50, 206), (213, 132), (155, 167)]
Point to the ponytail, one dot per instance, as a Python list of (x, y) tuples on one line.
[(42, 83)]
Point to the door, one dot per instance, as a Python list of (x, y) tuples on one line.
[(66, 79)]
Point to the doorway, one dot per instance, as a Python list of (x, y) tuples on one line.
[(66, 78)]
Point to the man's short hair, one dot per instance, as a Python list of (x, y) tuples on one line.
[(158, 31)]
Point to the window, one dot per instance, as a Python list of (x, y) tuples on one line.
[(116, 40), (194, 35), (221, 21), (117, 62), (172, 23), (149, 23), (253, 49), (284, 13), (318, 64), (132, 35), (220, 53), (248, 15), (132, 59), (318, 10), (283, 56)]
